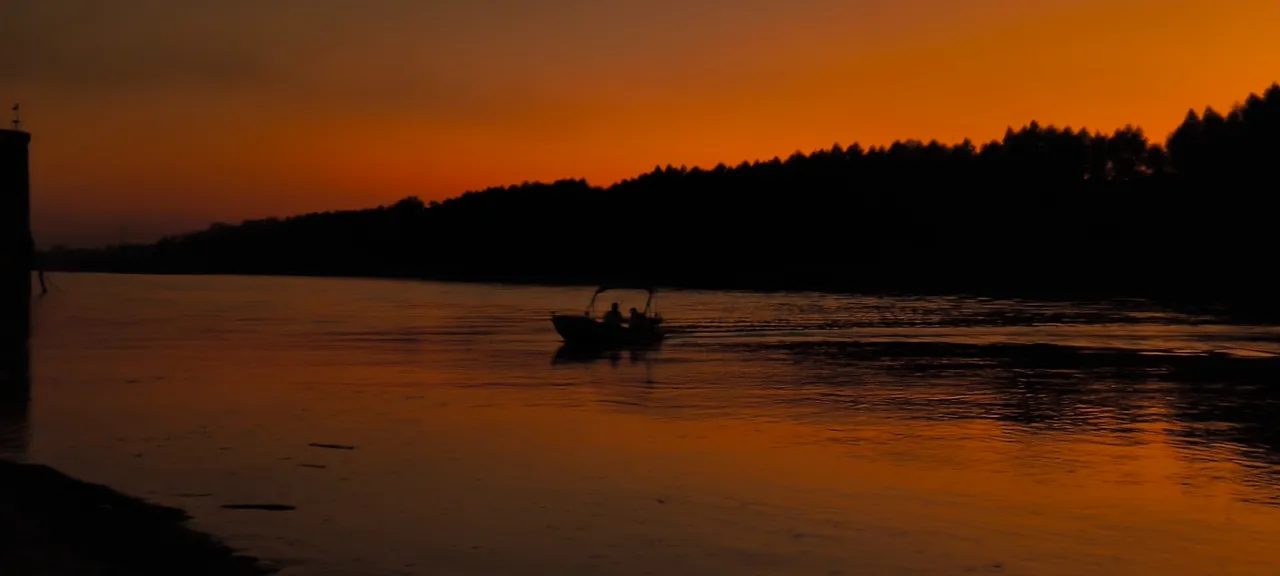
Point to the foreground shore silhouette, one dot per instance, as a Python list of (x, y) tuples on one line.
[(53, 524), (1042, 212)]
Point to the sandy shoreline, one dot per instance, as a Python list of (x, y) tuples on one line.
[(52, 524)]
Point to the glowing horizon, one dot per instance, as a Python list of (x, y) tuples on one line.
[(163, 118)]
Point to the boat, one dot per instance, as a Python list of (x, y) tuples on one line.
[(585, 331)]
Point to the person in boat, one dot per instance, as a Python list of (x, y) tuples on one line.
[(638, 319), (614, 316)]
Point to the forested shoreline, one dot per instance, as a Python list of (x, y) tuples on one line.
[(1042, 211)]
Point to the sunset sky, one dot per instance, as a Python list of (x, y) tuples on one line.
[(160, 116)]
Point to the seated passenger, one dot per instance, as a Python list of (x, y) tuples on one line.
[(638, 320), (614, 316)]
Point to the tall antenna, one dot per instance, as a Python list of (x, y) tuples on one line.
[(17, 117)]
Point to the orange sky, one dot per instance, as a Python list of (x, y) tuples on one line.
[(160, 116)]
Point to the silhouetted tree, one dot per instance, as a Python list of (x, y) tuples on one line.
[(1043, 210)]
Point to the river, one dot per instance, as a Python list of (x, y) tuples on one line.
[(774, 434)]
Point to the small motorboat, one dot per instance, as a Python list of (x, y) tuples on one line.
[(585, 331)]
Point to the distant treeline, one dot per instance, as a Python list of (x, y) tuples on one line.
[(1043, 211)]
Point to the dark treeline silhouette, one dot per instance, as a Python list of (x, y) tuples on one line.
[(1044, 211)]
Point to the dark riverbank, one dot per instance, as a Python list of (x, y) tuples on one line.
[(52, 524)]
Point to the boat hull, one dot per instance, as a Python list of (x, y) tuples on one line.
[(586, 332)]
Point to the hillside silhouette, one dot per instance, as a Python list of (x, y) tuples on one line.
[(1043, 211)]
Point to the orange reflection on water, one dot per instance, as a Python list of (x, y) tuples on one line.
[(725, 452)]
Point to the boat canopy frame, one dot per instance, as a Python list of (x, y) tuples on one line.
[(648, 303)]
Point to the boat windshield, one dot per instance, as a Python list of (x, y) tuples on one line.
[(648, 305)]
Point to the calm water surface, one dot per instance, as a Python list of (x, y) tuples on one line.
[(778, 434)]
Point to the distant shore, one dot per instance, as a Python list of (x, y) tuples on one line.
[(1042, 213), (52, 524)]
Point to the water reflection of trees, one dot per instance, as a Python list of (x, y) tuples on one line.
[(1217, 403), (1212, 406)]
